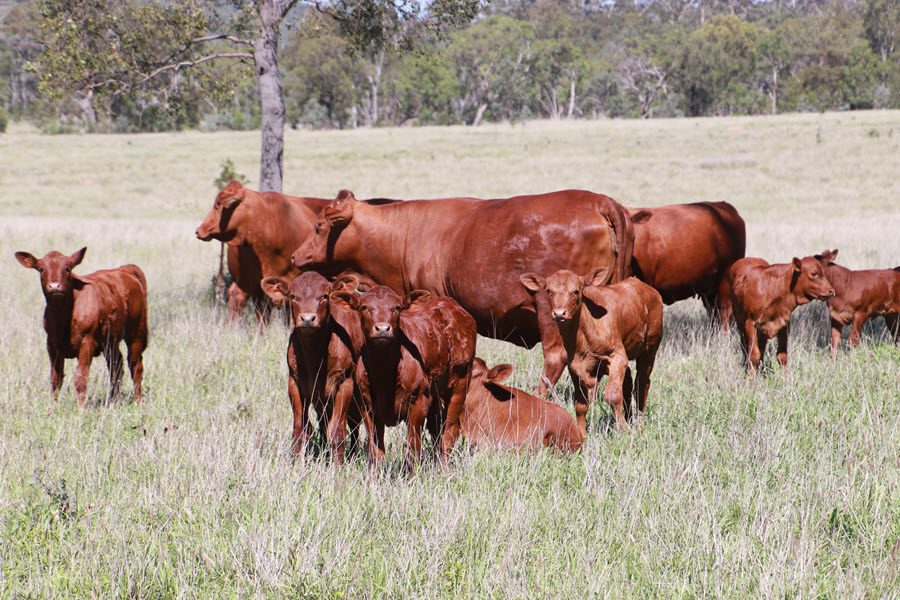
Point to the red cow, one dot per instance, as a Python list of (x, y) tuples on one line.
[(860, 296), (603, 327), (499, 416), (684, 250), (415, 366), (763, 296), (324, 346), (87, 315), (474, 251)]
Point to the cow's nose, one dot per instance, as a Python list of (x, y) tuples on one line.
[(382, 327), (308, 318), (53, 285), (559, 313)]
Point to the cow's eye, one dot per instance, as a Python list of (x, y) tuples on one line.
[(813, 275), (323, 297)]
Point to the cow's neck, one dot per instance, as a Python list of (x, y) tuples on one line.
[(382, 363), (569, 331), (58, 317), (276, 230), (313, 349), (785, 299)]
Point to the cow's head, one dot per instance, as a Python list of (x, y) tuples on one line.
[(224, 220), (308, 295), (379, 310), (497, 374), (809, 281), (329, 224), (57, 279), (564, 290), (827, 257)]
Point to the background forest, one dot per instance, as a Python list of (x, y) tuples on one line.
[(516, 60)]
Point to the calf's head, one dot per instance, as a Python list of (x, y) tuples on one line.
[(827, 257), (379, 310), (224, 220), (564, 290), (55, 268), (808, 281), (482, 377), (308, 295), (329, 224)]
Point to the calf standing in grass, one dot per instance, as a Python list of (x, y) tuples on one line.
[(603, 327), (763, 296), (859, 296), (499, 416), (89, 315), (324, 346), (415, 366)]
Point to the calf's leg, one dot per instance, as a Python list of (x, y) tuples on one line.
[(627, 392), (85, 356), (583, 396), (114, 364), (752, 350), (892, 320), (337, 425), (300, 424), (458, 389), (613, 394), (859, 319), (555, 357), (415, 423), (644, 370), (136, 367), (782, 355), (836, 328), (57, 371)]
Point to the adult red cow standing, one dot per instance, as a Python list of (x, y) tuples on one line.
[(89, 315), (684, 250), (475, 250)]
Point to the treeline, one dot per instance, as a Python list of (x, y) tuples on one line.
[(522, 60)]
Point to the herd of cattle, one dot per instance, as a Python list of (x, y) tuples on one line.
[(387, 298)]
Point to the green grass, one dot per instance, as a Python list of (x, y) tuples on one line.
[(776, 486)]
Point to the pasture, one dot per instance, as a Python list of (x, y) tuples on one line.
[(734, 487)]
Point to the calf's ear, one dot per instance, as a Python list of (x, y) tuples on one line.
[(598, 277), (348, 282), (828, 257), (345, 195), (797, 263), (27, 260), (77, 257), (415, 299), (343, 299), (499, 373), (340, 212), (478, 367), (275, 289), (532, 281)]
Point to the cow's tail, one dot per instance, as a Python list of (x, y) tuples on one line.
[(219, 278), (622, 239)]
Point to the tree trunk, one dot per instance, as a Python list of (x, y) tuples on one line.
[(375, 85), (271, 97), (773, 94), (479, 113), (571, 109), (86, 106)]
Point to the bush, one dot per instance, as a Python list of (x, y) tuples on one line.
[(4, 119)]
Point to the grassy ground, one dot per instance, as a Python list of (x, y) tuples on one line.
[(778, 486)]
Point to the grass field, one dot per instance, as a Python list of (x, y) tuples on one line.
[(769, 487)]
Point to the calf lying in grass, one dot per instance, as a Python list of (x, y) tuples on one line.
[(415, 366), (87, 315), (324, 346), (860, 296), (603, 327), (763, 296), (498, 416)]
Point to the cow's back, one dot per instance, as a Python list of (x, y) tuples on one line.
[(110, 300), (631, 312)]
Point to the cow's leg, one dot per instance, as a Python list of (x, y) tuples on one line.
[(627, 392), (750, 343), (859, 319), (433, 424), (555, 357), (85, 356), (583, 394), (114, 364), (782, 355), (892, 320), (836, 328), (618, 365), (644, 371), (300, 429), (57, 371), (237, 300), (337, 425), (452, 425), (415, 424), (136, 367)]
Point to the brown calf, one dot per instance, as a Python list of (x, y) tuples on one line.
[(498, 416), (324, 346), (859, 296), (415, 366), (763, 296), (603, 327), (89, 315)]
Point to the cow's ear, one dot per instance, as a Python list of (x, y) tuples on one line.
[(598, 277), (77, 257), (828, 257), (275, 289), (340, 212), (479, 367), (27, 260), (532, 281), (415, 299), (232, 194), (348, 282), (343, 299), (345, 195), (499, 373), (797, 263)]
